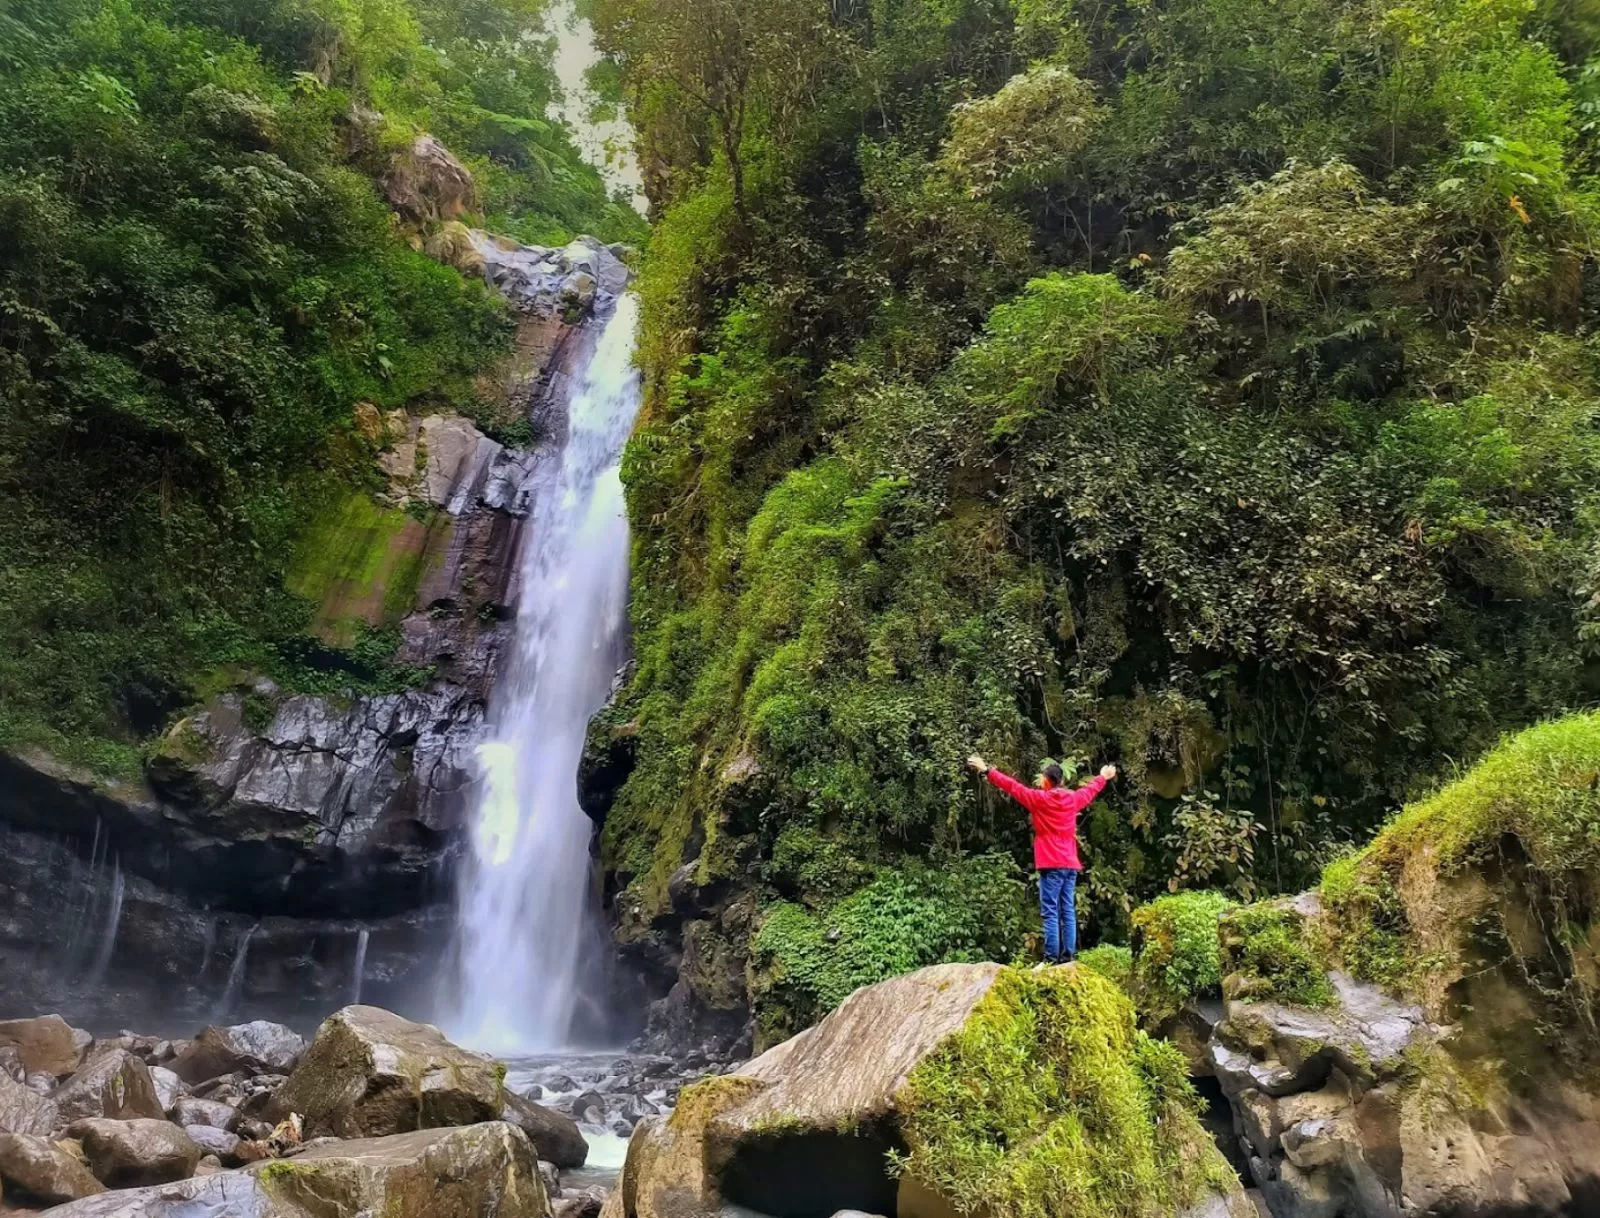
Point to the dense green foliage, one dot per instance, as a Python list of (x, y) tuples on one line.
[(1208, 386), (808, 962), (1175, 957), (1269, 955), (199, 279), (1050, 1102)]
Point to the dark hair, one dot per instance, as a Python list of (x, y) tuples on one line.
[(1053, 773)]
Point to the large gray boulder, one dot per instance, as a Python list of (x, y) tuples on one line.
[(23, 1110), (46, 1044), (192, 1111), (1360, 1109), (555, 1135), (42, 1171), (478, 1171), (425, 183), (371, 1073), (258, 1047), (125, 1154), (214, 1141), (113, 1084)]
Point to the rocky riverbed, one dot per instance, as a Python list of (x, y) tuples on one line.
[(375, 1111)]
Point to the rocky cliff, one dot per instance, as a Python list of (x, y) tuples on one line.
[(277, 836)]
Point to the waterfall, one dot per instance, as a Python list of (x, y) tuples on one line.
[(525, 909), (360, 966), (80, 913), (108, 940), (234, 989)]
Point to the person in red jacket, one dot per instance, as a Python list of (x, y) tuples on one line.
[(1054, 810)]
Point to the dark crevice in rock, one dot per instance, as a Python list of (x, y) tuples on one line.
[(1220, 1122), (813, 1175)]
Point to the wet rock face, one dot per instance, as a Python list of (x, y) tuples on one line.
[(174, 964), (547, 281), (1360, 1111), (555, 1136)]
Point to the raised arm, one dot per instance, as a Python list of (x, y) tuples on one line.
[(1085, 795), (1021, 792)]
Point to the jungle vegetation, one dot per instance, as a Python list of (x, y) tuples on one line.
[(1207, 386), (199, 280)]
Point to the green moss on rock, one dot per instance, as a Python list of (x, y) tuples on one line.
[(1176, 954), (1051, 1102), (360, 563), (1113, 961), (1267, 956), (1479, 901)]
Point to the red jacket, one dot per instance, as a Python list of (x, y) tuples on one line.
[(1055, 817)]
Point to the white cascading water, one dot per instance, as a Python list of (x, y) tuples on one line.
[(525, 910)]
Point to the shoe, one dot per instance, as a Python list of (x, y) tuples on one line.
[(1042, 965)]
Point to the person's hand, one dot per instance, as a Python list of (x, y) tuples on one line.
[(1108, 772), (978, 763)]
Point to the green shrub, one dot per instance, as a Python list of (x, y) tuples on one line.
[(1177, 957), (1266, 957), (809, 962), (1113, 961)]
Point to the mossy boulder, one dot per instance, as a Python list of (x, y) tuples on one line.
[(113, 1083), (1422, 1026), (958, 1088), (486, 1169), (1482, 902), (1268, 954), (371, 1073)]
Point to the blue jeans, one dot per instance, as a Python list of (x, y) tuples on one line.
[(1058, 906)]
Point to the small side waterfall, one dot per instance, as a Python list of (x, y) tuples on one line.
[(360, 968), (108, 940), (526, 909), (234, 989)]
